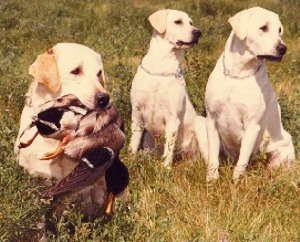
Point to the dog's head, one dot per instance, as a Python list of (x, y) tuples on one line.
[(176, 27), (70, 68), (261, 30)]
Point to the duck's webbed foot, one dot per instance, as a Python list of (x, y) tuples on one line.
[(60, 149), (28, 142), (53, 154)]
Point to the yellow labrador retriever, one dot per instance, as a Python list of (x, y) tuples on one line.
[(242, 108), (160, 103), (67, 68)]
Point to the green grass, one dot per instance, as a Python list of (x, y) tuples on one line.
[(160, 205)]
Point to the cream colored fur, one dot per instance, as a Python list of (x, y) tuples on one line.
[(160, 104), (242, 108)]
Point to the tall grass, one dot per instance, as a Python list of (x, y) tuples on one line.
[(160, 205)]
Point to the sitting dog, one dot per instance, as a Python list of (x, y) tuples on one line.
[(242, 108), (160, 103), (67, 68)]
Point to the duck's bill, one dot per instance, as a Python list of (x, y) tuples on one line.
[(109, 204)]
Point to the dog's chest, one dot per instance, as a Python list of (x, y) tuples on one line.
[(235, 103), (154, 111), (156, 101)]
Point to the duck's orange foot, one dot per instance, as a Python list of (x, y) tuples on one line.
[(60, 149), (54, 154)]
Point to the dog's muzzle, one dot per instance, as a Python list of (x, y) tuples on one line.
[(196, 35), (280, 49)]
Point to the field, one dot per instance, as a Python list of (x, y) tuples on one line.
[(160, 205)]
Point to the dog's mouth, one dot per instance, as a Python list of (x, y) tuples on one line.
[(181, 43), (270, 57)]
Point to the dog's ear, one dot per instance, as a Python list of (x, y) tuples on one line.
[(44, 70), (158, 20), (239, 23)]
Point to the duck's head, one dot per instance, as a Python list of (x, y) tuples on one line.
[(117, 179)]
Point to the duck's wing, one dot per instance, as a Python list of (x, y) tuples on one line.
[(95, 121), (111, 136), (92, 166), (86, 125)]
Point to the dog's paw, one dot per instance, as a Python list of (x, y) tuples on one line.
[(212, 175), (167, 164), (237, 173), (132, 150)]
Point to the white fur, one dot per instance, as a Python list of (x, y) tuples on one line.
[(160, 104), (242, 107), (68, 57)]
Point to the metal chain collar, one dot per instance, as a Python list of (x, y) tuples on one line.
[(176, 75), (226, 71)]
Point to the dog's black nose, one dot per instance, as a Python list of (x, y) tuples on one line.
[(281, 49), (196, 33), (102, 100)]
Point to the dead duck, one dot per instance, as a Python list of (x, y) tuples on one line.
[(96, 144)]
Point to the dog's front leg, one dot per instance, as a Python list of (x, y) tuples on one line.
[(171, 132), (201, 134), (281, 146), (213, 149), (136, 130), (247, 147)]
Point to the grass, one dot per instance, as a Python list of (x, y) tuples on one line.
[(160, 205)]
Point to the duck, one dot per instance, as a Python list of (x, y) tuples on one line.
[(95, 143)]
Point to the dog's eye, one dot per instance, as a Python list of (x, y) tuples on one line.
[(280, 30), (191, 23), (264, 28), (99, 74), (179, 21), (76, 71)]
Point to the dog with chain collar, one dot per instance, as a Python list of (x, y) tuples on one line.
[(160, 103), (242, 108)]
